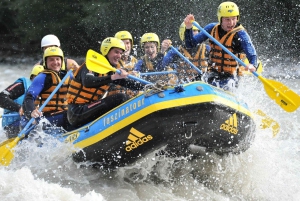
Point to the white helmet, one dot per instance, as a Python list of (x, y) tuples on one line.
[(49, 40)]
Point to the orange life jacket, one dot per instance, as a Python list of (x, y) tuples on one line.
[(199, 59), (79, 94), (222, 61), (58, 101)]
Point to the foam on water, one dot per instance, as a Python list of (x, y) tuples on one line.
[(268, 170)]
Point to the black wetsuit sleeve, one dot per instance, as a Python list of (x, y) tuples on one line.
[(91, 79), (8, 95)]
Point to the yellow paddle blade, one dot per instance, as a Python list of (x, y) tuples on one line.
[(283, 96), (267, 122), (98, 63), (7, 150)]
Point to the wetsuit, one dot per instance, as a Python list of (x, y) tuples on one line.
[(11, 100), (90, 95)]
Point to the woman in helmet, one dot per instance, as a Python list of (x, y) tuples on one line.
[(228, 31), (43, 85), (91, 94), (127, 60), (11, 100), (51, 40), (198, 55)]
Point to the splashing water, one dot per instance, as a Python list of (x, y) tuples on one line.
[(268, 170)]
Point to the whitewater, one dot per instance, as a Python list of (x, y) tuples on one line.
[(267, 171)]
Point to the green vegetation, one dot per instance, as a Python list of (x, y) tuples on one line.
[(80, 24)]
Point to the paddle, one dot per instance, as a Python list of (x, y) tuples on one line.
[(186, 60), (157, 73), (94, 60), (6, 149), (267, 122), (9, 115), (281, 94)]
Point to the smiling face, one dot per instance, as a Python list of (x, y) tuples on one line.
[(228, 23), (150, 49), (54, 63), (114, 55)]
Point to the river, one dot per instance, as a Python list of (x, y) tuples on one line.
[(267, 171)]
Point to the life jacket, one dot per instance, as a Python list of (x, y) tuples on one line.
[(9, 120), (128, 65), (148, 64), (222, 61), (79, 94), (58, 101), (199, 60)]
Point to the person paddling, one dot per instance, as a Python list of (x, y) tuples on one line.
[(224, 70), (42, 86), (92, 94), (198, 55), (127, 60), (11, 100)]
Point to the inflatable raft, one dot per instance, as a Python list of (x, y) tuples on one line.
[(197, 114)]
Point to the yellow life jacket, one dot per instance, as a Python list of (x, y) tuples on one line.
[(127, 65), (79, 94), (222, 61), (148, 63), (58, 101)]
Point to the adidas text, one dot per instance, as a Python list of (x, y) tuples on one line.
[(228, 128), (139, 142)]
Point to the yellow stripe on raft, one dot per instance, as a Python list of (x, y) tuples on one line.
[(156, 107)]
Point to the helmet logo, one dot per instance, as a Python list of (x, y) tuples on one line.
[(230, 11), (108, 40)]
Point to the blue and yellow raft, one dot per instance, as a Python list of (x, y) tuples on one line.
[(200, 115)]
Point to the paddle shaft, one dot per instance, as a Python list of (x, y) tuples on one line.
[(186, 60), (9, 115), (157, 73), (23, 132)]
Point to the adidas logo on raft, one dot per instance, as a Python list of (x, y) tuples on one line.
[(135, 139), (230, 125)]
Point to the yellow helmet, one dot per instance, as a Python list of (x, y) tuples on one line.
[(122, 35), (150, 37), (36, 70), (53, 51), (228, 9), (182, 30), (109, 43)]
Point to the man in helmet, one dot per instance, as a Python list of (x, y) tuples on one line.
[(11, 100), (197, 55), (51, 40), (127, 60), (228, 31), (43, 85), (91, 94)]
